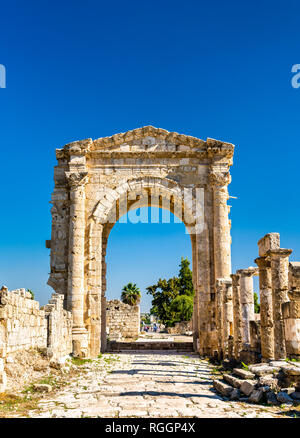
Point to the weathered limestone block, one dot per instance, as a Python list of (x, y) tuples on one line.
[(248, 386), (233, 381), (222, 388), (268, 242), (243, 374)]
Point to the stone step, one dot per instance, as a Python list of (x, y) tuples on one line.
[(114, 346)]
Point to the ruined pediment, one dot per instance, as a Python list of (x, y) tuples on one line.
[(147, 139)]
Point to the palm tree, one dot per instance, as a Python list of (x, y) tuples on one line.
[(131, 294)]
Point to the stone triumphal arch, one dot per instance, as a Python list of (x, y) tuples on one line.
[(97, 181)]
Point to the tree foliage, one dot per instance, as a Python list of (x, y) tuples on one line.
[(166, 304), (183, 307), (131, 294), (256, 303)]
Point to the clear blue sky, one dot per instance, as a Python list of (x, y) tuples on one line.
[(91, 69)]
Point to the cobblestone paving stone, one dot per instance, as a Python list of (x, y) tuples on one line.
[(144, 385)]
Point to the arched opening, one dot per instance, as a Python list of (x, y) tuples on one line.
[(141, 197), (145, 245)]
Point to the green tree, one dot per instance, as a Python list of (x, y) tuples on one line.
[(146, 318), (256, 303), (165, 292), (131, 294), (182, 305), (186, 278)]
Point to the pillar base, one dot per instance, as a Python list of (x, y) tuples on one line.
[(80, 342)]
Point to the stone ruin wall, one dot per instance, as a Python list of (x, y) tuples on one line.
[(24, 325), (123, 321), (59, 328), (181, 328)]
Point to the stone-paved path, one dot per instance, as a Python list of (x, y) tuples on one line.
[(164, 384)]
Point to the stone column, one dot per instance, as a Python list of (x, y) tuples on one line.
[(220, 317), (237, 316), (77, 182), (227, 314), (221, 235), (291, 313), (219, 241), (224, 314), (280, 273), (266, 308), (247, 300)]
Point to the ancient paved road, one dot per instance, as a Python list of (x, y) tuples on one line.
[(145, 385)]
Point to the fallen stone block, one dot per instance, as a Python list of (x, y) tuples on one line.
[(41, 365), (222, 388), (284, 398), (256, 396), (270, 381), (291, 370), (233, 381), (236, 394), (295, 395), (42, 387), (271, 398), (243, 374), (289, 391), (277, 363), (263, 370), (247, 387)]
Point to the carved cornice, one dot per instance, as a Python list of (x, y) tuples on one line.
[(210, 147), (76, 179), (79, 148)]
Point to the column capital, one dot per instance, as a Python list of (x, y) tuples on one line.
[(224, 281), (235, 279), (76, 179), (249, 272), (262, 262), (219, 179), (279, 253)]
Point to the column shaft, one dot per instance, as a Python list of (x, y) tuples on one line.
[(266, 309), (280, 269), (237, 316)]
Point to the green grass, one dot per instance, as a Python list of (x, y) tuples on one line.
[(79, 361)]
